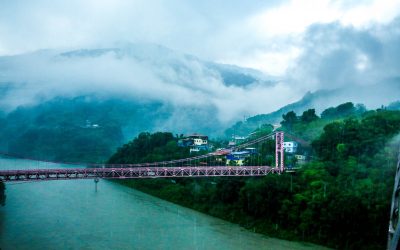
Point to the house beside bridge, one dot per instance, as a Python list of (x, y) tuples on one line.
[(196, 142), (238, 158), (290, 146)]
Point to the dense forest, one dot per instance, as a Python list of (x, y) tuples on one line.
[(88, 128), (148, 147), (82, 129), (339, 199)]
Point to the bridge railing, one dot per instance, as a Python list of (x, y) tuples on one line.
[(130, 173)]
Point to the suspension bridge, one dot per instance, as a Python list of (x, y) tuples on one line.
[(207, 165)]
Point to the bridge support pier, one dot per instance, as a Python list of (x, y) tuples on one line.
[(96, 180), (2, 193)]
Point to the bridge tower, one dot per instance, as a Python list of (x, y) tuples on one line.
[(279, 151)]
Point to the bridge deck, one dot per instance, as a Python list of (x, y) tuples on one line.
[(129, 173)]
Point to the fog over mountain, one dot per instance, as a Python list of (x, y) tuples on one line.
[(200, 59), (139, 71)]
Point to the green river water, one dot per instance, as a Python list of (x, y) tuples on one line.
[(72, 215)]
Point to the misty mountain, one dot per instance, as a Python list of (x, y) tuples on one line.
[(152, 73), (321, 100), (160, 56), (67, 105), (153, 55), (142, 73), (394, 106), (50, 96), (91, 127)]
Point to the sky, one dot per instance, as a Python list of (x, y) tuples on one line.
[(266, 35), (310, 45)]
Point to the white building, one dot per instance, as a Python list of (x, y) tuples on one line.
[(301, 159), (196, 142), (290, 146), (198, 139)]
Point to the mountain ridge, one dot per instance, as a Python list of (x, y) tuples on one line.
[(311, 100)]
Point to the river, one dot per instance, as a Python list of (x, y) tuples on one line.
[(70, 214)]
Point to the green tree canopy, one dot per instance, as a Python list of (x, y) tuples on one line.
[(148, 147), (308, 116), (289, 119)]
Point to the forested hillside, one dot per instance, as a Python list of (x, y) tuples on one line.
[(309, 125), (90, 128), (148, 147), (340, 199)]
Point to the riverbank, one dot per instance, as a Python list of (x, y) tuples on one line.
[(337, 199), (168, 190)]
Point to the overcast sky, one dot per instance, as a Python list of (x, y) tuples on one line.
[(267, 35), (310, 45)]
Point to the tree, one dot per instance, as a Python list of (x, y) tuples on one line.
[(228, 190), (308, 116), (345, 109), (148, 147), (289, 119), (342, 110)]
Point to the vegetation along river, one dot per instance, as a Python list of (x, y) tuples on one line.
[(72, 215)]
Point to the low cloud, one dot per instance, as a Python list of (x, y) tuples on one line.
[(344, 57), (171, 78), (361, 62), (349, 45)]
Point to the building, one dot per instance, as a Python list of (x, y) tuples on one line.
[(251, 150), (276, 126), (89, 124), (240, 156), (290, 146), (231, 144), (237, 157), (196, 142), (301, 159), (239, 139), (193, 140), (198, 139)]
